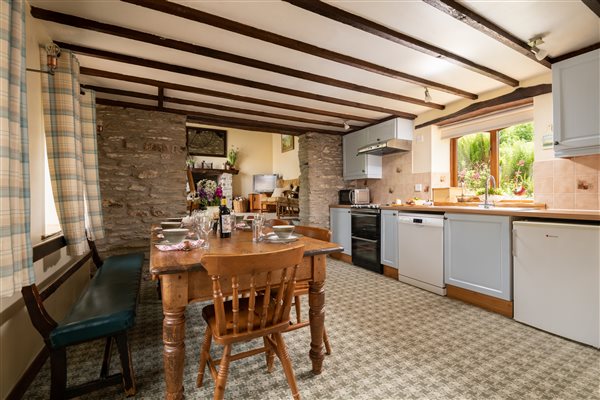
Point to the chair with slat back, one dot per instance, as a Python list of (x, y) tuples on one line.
[(251, 314), (302, 287)]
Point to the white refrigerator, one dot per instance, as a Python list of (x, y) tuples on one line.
[(557, 278)]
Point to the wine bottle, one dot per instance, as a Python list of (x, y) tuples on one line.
[(225, 219)]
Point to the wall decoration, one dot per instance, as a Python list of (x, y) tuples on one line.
[(287, 143), (206, 142)]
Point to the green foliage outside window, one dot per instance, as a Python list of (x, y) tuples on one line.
[(473, 153)]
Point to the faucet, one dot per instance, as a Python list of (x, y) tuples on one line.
[(489, 179)]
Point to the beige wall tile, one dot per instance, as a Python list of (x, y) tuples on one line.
[(564, 184), (564, 200), (563, 167), (586, 201), (587, 165), (589, 181), (543, 169), (544, 186)]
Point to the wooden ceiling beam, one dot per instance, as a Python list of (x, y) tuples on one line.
[(218, 120), (144, 37), (593, 5), (519, 96), (193, 14), (168, 99), (358, 22), (214, 93), (457, 11)]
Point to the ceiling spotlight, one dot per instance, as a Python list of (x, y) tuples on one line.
[(540, 54), (346, 126), (427, 96)]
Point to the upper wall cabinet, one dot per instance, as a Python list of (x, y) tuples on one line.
[(359, 166), (576, 103), (362, 166), (396, 128)]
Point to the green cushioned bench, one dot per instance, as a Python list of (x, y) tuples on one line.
[(105, 309)]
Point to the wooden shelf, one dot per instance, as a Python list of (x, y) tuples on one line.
[(214, 171)]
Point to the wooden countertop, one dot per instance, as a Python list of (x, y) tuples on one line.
[(583, 215)]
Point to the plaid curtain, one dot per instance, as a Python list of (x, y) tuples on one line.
[(16, 264), (72, 154)]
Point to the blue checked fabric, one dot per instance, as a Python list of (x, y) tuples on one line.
[(69, 120), (16, 265)]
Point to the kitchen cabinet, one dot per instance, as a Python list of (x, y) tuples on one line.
[(341, 228), (396, 128), (359, 166), (576, 101), (557, 278), (477, 254), (389, 238)]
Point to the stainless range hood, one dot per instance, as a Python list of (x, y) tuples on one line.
[(387, 147)]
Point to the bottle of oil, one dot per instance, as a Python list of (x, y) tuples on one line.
[(224, 219)]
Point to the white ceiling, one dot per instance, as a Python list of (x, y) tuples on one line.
[(566, 25)]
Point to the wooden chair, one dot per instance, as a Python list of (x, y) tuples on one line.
[(251, 314), (275, 221), (302, 288)]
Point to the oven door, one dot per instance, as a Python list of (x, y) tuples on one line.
[(365, 224), (366, 254)]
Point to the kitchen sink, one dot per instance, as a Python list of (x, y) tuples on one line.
[(494, 208)]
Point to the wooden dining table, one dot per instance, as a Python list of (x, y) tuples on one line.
[(183, 280)]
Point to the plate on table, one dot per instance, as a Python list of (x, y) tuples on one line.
[(273, 238)]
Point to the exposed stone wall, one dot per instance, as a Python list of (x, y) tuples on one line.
[(142, 174), (321, 167)]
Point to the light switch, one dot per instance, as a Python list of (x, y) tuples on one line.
[(418, 187)]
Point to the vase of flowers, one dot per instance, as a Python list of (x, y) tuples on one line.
[(208, 195), (232, 157)]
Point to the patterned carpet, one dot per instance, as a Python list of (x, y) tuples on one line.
[(390, 341)]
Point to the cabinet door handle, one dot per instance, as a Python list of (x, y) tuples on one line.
[(363, 170), (556, 143)]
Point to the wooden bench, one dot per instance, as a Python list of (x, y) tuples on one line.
[(105, 309)]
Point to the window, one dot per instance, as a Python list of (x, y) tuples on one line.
[(51, 223), (506, 154)]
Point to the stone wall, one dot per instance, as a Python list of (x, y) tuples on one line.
[(142, 174), (320, 176)]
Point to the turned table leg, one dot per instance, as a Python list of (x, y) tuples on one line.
[(174, 296), (316, 315)]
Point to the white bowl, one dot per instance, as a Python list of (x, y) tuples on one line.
[(174, 236), (170, 224), (283, 231)]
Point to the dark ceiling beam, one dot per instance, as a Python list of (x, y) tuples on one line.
[(214, 93), (144, 37), (358, 22), (458, 11), (593, 5), (167, 99), (193, 14), (516, 97), (220, 120), (577, 52)]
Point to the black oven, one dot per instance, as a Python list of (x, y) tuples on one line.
[(366, 225)]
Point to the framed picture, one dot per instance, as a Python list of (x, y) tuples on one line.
[(206, 142), (287, 143)]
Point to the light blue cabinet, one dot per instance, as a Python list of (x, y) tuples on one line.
[(477, 253), (359, 166), (389, 238), (341, 228)]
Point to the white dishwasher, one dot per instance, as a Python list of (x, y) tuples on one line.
[(421, 251)]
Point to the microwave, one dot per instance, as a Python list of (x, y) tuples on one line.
[(354, 196)]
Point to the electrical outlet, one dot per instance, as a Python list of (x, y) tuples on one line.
[(418, 187)]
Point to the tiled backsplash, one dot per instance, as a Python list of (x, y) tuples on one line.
[(568, 183)]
